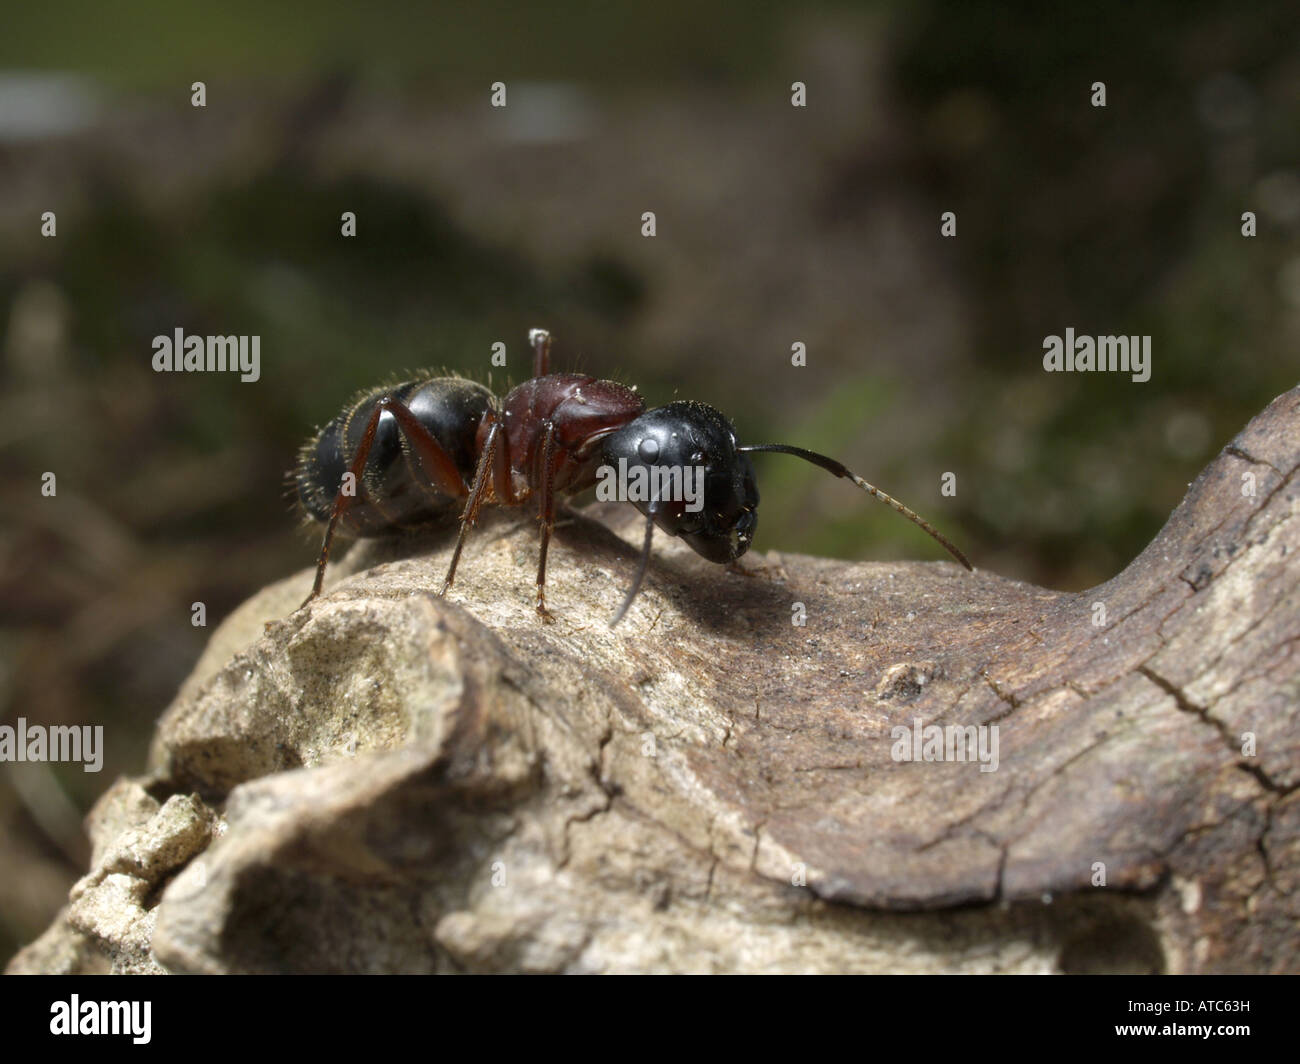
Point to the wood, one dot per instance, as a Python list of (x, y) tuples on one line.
[(711, 787)]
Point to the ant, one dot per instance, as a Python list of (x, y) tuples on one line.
[(420, 447)]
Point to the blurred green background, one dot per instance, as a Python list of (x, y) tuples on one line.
[(775, 225)]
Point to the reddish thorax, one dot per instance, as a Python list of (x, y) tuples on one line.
[(583, 410)]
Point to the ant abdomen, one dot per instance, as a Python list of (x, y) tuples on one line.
[(394, 492)]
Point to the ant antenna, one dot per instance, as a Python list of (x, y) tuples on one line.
[(832, 466), (641, 569)]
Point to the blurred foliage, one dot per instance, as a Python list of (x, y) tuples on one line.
[(1123, 220), (155, 44)]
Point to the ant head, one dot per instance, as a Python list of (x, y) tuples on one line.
[(702, 487)]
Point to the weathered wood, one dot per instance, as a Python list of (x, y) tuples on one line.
[(392, 781)]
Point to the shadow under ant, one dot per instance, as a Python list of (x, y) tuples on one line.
[(587, 532)]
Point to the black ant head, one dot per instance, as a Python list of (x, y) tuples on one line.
[(715, 509), (684, 471)]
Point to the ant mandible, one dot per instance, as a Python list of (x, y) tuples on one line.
[(420, 447)]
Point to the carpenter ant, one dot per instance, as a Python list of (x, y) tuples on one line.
[(419, 448)]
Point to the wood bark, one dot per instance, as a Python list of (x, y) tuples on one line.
[(388, 780)]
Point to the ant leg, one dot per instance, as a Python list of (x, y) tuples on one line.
[(640, 569), (437, 464), (343, 500), (546, 515), (540, 341), (477, 493)]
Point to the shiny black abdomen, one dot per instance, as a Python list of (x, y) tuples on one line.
[(394, 494)]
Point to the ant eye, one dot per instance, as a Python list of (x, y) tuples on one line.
[(648, 449)]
